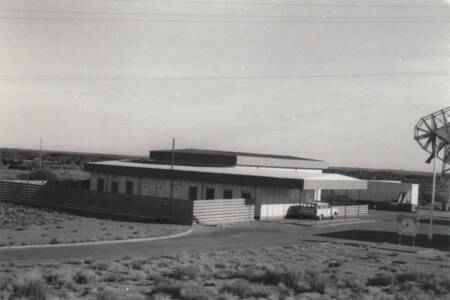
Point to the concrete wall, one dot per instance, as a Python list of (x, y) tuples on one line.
[(385, 191)]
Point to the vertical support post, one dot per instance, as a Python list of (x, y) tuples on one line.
[(345, 207), (433, 193), (171, 168), (359, 201), (299, 204), (40, 159), (331, 203)]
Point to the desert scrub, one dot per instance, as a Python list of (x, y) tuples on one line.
[(381, 279), (85, 276), (30, 286), (187, 272), (245, 289), (60, 278), (297, 279)]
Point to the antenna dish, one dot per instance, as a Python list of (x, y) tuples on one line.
[(432, 132)]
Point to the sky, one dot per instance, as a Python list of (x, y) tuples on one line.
[(342, 81)]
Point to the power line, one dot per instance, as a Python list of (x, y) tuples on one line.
[(387, 20), (109, 13), (361, 5), (206, 77)]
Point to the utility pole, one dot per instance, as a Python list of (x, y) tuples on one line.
[(171, 168), (40, 160), (433, 192)]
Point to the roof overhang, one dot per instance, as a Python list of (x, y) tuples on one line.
[(242, 175)]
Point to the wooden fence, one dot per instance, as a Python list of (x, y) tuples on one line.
[(352, 210), (223, 211), (120, 205)]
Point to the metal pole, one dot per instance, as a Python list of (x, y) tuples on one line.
[(171, 168), (346, 198), (299, 204), (40, 160), (433, 192), (359, 201)]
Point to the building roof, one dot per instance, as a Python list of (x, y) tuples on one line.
[(234, 153), (203, 157), (245, 175)]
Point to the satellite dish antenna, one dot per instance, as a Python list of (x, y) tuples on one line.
[(432, 132)]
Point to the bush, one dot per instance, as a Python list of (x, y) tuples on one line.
[(45, 174), (187, 272), (295, 278), (244, 289), (60, 278), (84, 276), (30, 286), (382, 279)]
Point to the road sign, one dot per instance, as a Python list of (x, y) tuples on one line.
[(407, 226)]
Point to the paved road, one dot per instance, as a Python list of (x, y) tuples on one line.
[(208, 239), (203, 239)]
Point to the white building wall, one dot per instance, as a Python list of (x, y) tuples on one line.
[(270, 202), (385, 191)]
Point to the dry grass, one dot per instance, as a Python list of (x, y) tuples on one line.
[(22, 225), (292, 272)]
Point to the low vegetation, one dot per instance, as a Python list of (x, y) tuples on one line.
[(24, 225), (311, 270)]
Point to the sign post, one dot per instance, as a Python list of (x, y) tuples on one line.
[(407, 226)]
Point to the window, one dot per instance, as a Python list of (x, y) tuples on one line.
[(246, 195), (100, 184), (227, 194), (192, 193), (129, 187), (114, 186), (209, 193)]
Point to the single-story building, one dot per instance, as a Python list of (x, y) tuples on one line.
[(273, 182)]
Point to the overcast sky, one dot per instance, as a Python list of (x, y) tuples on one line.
[(344, 83)]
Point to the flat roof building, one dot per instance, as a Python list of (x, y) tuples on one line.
[(274, 182)]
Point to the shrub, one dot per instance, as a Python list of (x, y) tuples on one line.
[(107, 295), (407, 276), (440, 284), (316, 281), (187, 272), (60, 278), (137, 263), (295, 278), (381, 279), (101, 265), (84, 276), (244, 289), (30, 286), (44, 174)]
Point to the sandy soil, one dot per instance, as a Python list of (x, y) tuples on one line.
[(22, 225), (310, 270)]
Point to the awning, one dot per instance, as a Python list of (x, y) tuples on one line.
[(327, 181), (288, 178)]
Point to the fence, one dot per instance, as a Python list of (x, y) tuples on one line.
[(352, 210), (120, 205), (223, 211)]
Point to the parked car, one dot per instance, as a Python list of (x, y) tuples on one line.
[(318, 210)]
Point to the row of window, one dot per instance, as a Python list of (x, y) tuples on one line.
[(210, 193), (115, 186)]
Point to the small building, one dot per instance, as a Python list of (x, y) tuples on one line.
[(273, 182), (385, 193)]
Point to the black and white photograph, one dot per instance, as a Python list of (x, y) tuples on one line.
[(224, 149)]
